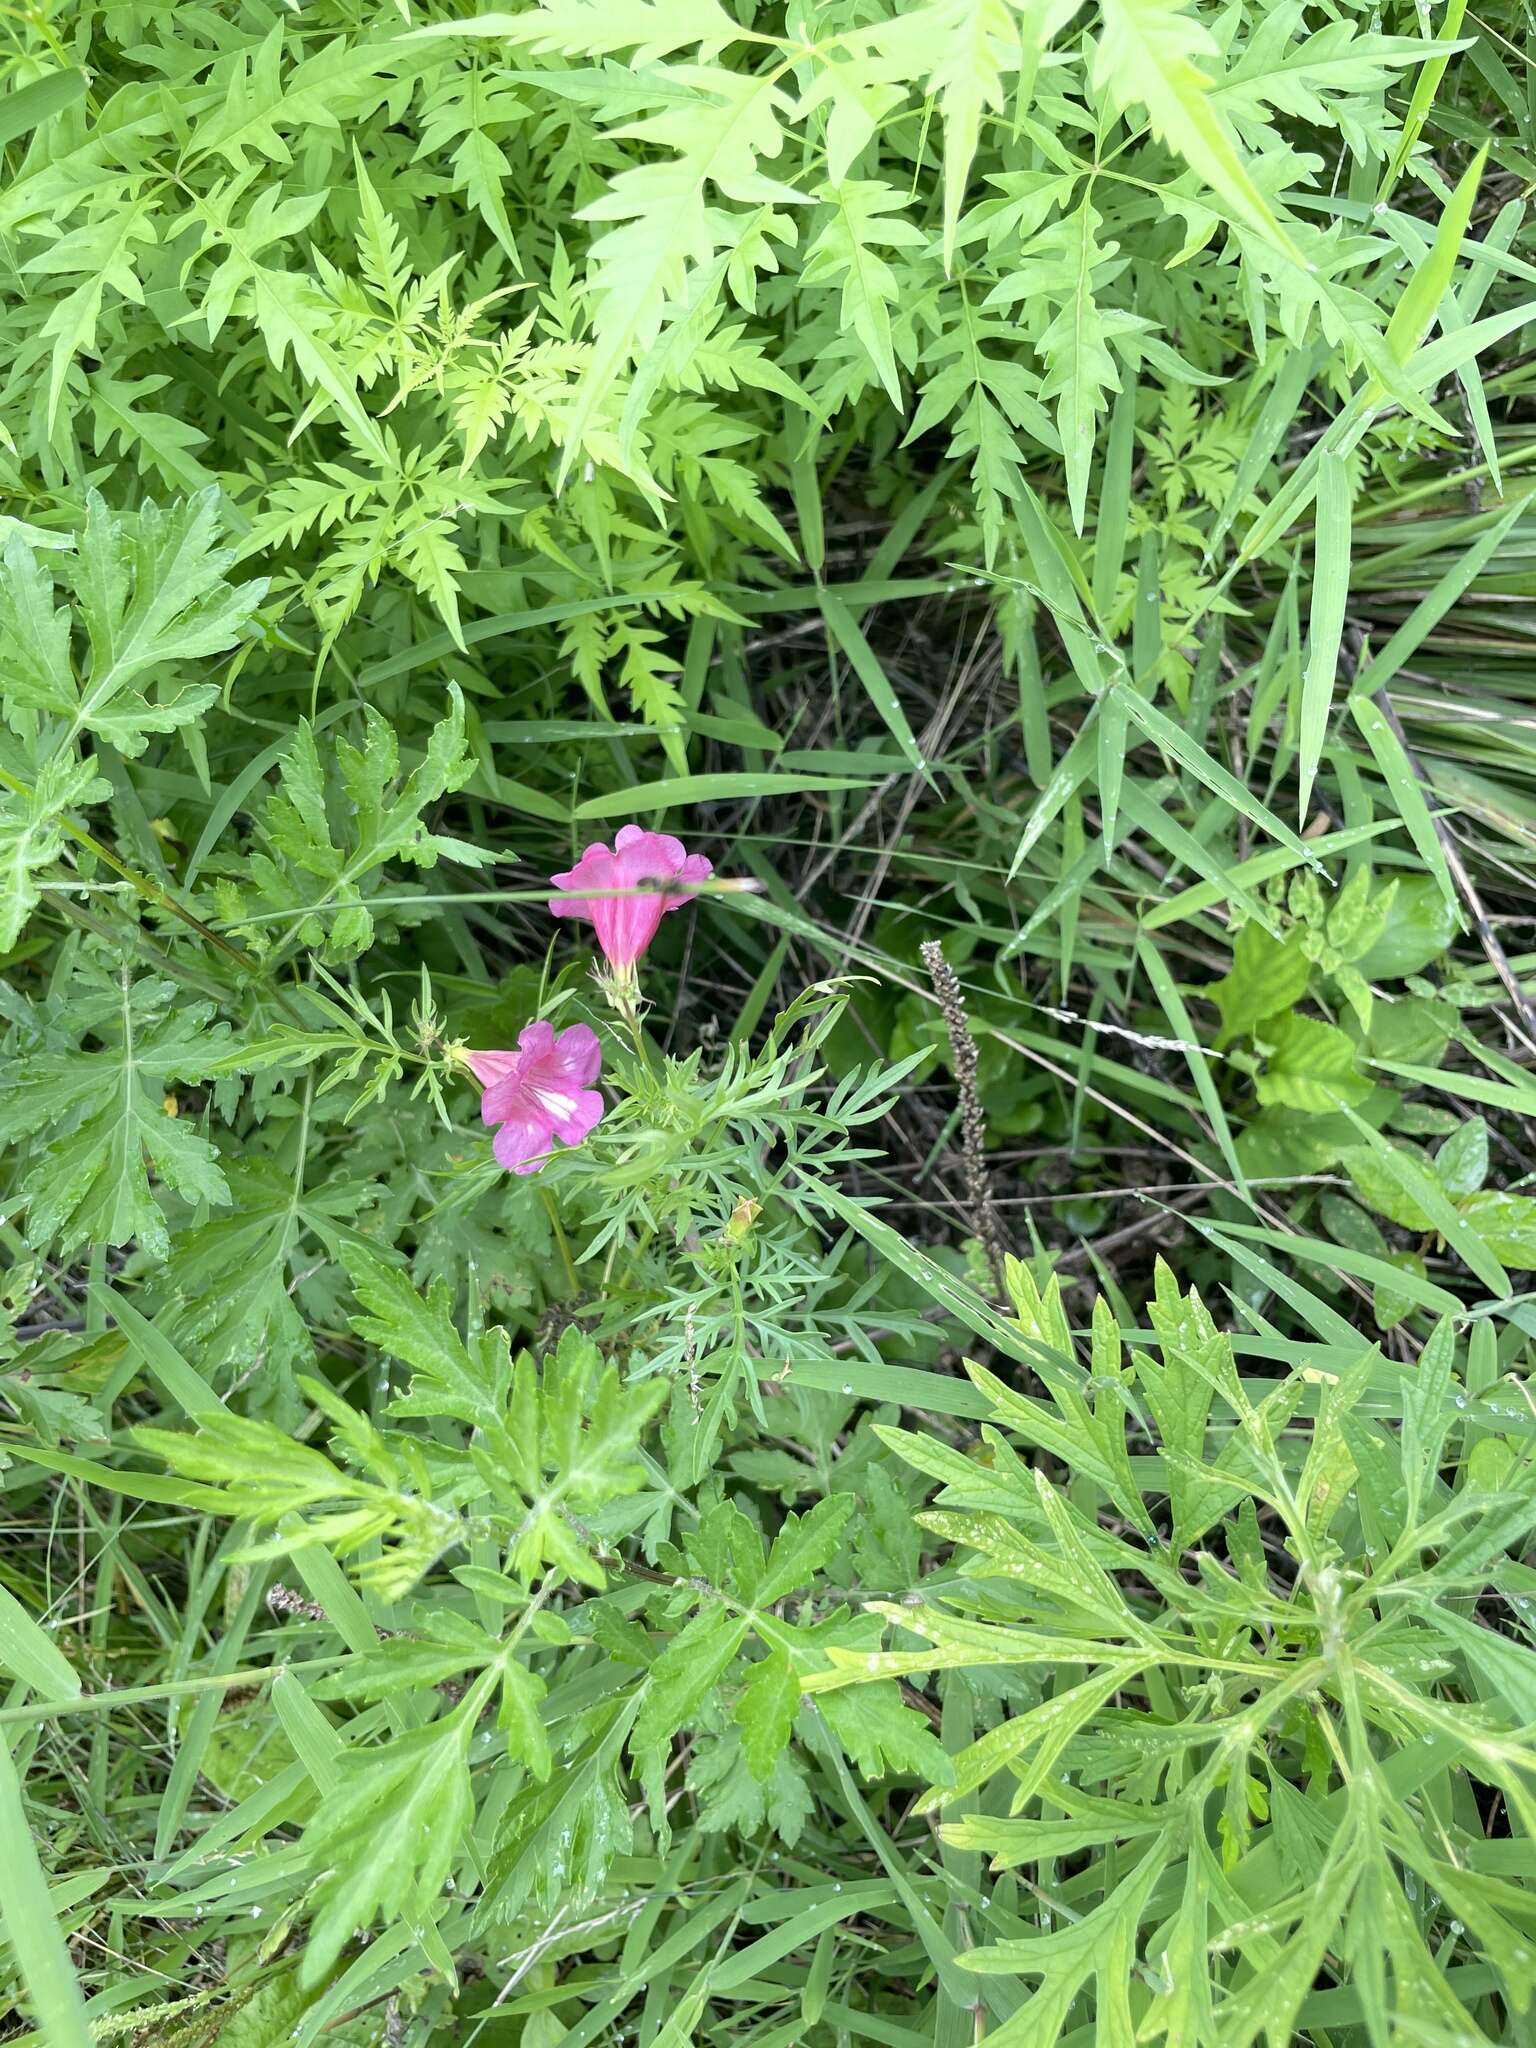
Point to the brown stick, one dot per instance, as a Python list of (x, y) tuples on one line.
[(962, 1046)]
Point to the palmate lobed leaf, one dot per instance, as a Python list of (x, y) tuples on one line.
[(765, 1713), (34, 832), (229, 1288), (450, 1377), (387, 1834), (152, 593), (560, 1439), (108, 1125), (332, 825), (1354, 1847)]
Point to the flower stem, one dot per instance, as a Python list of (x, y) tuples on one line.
[(561, 1240), (623, 1000)]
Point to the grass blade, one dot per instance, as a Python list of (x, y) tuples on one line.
[(1114, 499), (1432, 607), (1398, 774), (861, 658), (675, 790), (32, 105), (1195, 1055), (159, 1356), (31, 1655), (1330, 592), (1175, 741), (1437, 1206), (1431, 279), (31, 1925)]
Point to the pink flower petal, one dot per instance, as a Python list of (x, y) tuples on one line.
[(581, 1053), (504, 1100), (579, 1120), (521, 1148), (536, 1041), (540, 1092), (489, 1067), (626, 923)]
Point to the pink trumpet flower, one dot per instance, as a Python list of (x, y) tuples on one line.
[(637, 862), (541, 1092)]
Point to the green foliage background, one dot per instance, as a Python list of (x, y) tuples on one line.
[(1045, 477)]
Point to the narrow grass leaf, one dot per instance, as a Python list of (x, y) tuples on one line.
[(46, 1971), (848, 636), (940, 1287), (1401, 779), (1447, 591), (728, 787), (159, 1356), (1114, 499), (1175, 741), (1277, 416), (31, 105), (1431, 279), (1427, 1192), (1330, 593), (1426, 85), (29, 1653), (1346, 1259), (1195, 1056)]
